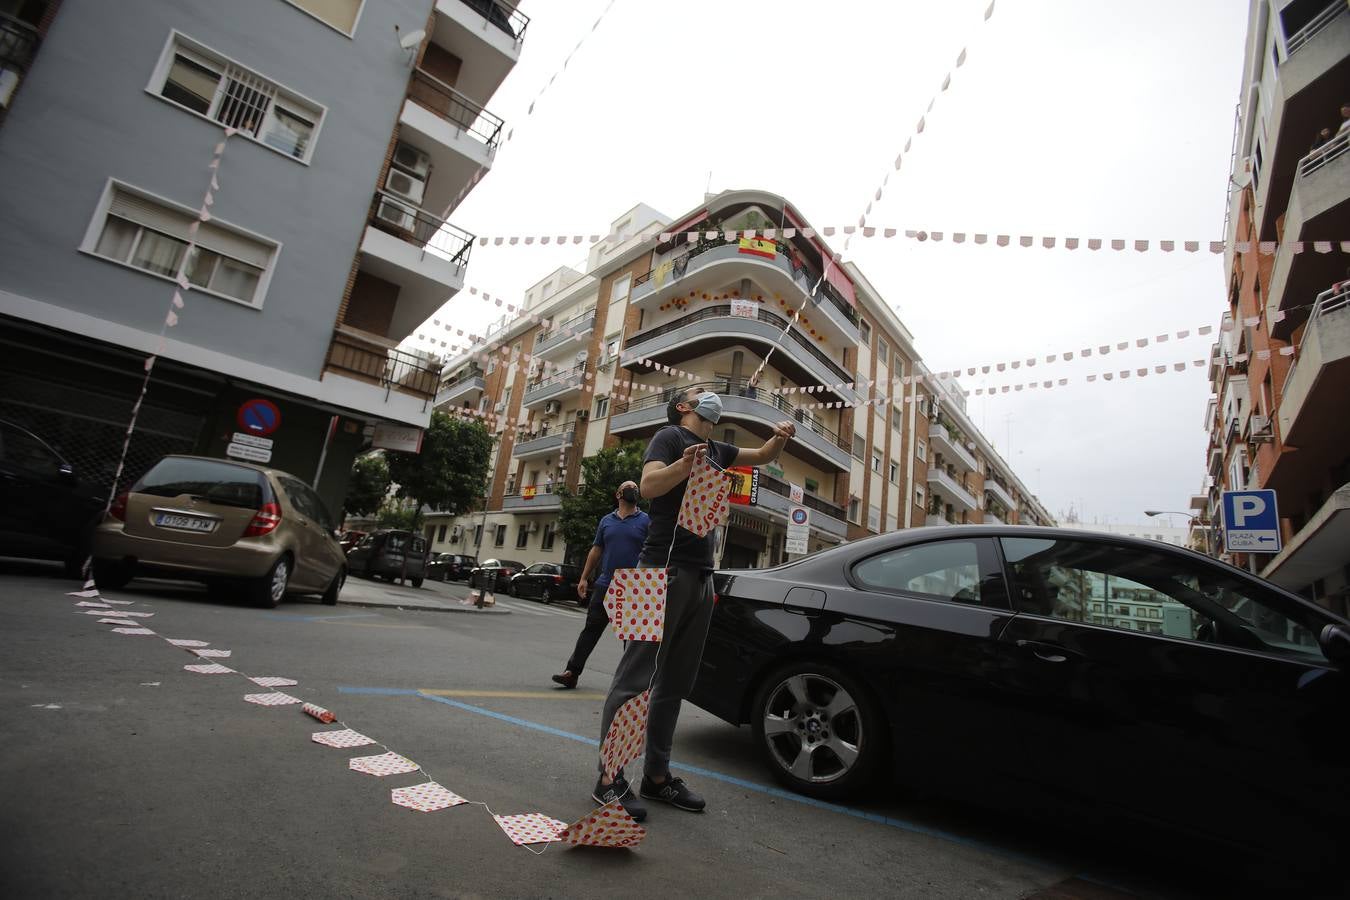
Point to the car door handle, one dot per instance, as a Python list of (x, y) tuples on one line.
[(1051, 653)]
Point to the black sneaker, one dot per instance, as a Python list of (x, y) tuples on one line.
[(622, 791), (673, 791)]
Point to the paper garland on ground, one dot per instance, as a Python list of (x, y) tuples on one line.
[(636, 602), (127, 622), (210, 669), (627, 734), (188, 642), (705, 504), (92, 604), (530, 828), (272, 681), (383, 764), (426, 797), (133, 631), (318, 712), (213, 654), (275, 698), (344, 738), (608, 826)]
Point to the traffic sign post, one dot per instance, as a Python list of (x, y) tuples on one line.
[(798, 530), (1251, 522)]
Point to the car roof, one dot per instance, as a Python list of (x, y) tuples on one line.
[(265, 470)]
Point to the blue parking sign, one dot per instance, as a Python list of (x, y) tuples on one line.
[(1251, 522)]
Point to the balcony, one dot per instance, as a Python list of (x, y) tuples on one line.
[(458, 135), (991, 519), (555, 387), (544, 445), (775, 498), (367, 359), (699, 333), (575, 330), (469, 387), (1313, 403), (18, 45), (539, 499), (487, 35), (937, 520), (838, 318), (814, 443), (996, 489), (950, 488), (944, 442), (1319, 210)]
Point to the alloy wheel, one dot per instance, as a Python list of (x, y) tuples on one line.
[(280, 575), (813, 728)]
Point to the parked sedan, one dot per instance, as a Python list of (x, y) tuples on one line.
[(45, 510), (450, 566), (546, 582), (1125, 676), (495, 575), (261, 533)]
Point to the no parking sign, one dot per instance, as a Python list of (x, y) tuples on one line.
[(258, 416)]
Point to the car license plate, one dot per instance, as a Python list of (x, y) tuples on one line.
[(184, 523)]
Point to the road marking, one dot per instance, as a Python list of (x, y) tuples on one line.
[(515, 695), (535, 609), (294, 617), (777, 793)]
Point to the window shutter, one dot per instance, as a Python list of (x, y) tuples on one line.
[(231, 243), (147, 212)]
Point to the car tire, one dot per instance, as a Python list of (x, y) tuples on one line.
[(113, 574), (269, 590), (818, 729), (417, 582), (330, 596), (546, 595)]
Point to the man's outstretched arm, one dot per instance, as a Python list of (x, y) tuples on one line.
[(769, 451)]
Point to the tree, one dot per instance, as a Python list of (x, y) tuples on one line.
[(368, 485), (602, 474), (397, 514), (451, 471)]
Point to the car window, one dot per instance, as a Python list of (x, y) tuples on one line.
[(23, 451), (298, 494), (215, 482), (1156, 592), (318, 506), (944, 570)]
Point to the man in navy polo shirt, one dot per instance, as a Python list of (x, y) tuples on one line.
[(618, 542)]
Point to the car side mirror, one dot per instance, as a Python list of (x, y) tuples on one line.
[(1335, 643)]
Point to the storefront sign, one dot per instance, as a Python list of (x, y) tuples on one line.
[(393, 436)]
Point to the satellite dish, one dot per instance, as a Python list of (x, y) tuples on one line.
[(412, 39)]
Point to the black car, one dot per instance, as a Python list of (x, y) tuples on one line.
[(45, 511), (1124, 676), (381, 554), (546, 582), (495, 575), (450, 566)]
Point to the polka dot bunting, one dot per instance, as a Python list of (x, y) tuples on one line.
[(608, 826), (705, 505), (530, 828), (636, 603), (627, 734)]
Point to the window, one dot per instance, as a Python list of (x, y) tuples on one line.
[(918, 495), (854, 508), (611, 349), (620, 288), (864, 332), (946, 570), (522, 536), (812, 486), (546, 542), (203, 82), (478, 536), (895, 473), (500, 539), (492, 365), (1195, 601), (921, 450), (859, 446), (601, 407), (440, 534), (340, 14), (876, 462), (896, 419), (883, 352), (155, 236), (873, 518)]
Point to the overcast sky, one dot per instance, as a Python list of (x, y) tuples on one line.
[(1070, 117)]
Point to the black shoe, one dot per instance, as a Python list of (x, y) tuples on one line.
[(673, 791), (622, 791), (567, 679)]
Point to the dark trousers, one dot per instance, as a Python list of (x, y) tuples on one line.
[(674, 661), (597, 620)]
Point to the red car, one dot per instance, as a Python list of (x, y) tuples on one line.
[(349, 540)]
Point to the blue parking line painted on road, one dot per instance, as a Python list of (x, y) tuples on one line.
[(295, 617), (778, 793)]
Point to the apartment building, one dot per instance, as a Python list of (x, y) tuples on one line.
[(644, 317), (358, 125), (1280, 371)]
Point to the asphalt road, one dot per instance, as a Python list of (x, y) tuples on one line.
[(123, 775)]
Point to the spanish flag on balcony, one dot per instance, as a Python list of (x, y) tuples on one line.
[(528, 493), (759, 247)]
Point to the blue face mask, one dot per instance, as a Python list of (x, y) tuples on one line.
[(709, 407)]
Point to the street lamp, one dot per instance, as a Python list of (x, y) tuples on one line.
[(1195, 521)]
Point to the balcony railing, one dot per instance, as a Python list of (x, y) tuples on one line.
[(559, 333), (810, 501), (450, 104), (503, 15), (558, 382), (800, 272), (724, 312), (1328, 302), (18, 43), (538, 444), (403, 219), (394, 370), (1319, 22), (1324, 154)]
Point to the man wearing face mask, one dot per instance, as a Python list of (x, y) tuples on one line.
[(670, 458), (618, 541)]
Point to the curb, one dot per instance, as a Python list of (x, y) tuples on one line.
[(419, 607)]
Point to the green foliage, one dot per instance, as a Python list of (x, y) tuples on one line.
[(368, 485), (602, 474), (450, 472), (397, 514)]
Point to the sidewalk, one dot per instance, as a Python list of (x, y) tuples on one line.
[(432, 596)]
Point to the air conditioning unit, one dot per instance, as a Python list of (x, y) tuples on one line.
[(394, 213), (411, 160), (552, 408), (1260, 430), (533, 528), (500, 407), (581, 357), (409, 187)]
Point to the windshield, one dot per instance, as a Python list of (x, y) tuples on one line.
[(208, 480)]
